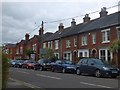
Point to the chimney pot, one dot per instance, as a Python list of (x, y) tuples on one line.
[(103, 12), (61, 27), (73, 23), (86, 18), (27, 36)]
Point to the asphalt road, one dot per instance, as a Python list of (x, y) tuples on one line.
[(48, 79)]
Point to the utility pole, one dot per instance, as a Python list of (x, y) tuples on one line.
[(42, 25)]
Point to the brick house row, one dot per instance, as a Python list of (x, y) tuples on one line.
[(91, 38)]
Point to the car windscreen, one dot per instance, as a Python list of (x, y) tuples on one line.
[(31, 61), (68, 62), (47, 61), (99, 62)]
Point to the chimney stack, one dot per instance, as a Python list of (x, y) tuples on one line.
[(61, 27), (103, 12), (86, 18), (41, 31), (27, 37), (73, 23)]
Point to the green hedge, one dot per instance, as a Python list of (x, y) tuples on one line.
[(5, 67)]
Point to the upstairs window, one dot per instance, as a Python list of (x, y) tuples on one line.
[(75, 41), (50, 44), (44, 45), (21, 50), (105, 36), (84, 40), (34, 47), (93, 38), (56, 44), (67, 43), (118, 31)]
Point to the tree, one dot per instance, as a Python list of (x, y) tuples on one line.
[(29, 52), (115, 49), (115, 46), (5, 67), (49, 54)]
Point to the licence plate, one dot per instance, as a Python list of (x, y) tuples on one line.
[(114, 72)]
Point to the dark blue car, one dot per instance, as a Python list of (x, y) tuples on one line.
[(63, 66), (96, 67)]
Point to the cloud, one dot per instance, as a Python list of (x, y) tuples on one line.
[(20, 17)]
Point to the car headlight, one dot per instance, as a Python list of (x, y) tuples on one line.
[(70, 67), (118, 69), (44, 64), (105, 68)]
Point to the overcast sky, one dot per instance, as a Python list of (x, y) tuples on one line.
[(19, 18)]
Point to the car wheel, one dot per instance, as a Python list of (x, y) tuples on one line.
[(114, 76), (78, 72), (27, 67), (34, 68), (41, 68), (97, 73), (52, 69), (63, 70)]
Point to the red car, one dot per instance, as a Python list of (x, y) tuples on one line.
[(29, 64)]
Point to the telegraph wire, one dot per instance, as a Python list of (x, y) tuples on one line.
[(65, 19), (80, 15)]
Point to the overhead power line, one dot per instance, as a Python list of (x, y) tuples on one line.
[(47, 22), (79, 15)]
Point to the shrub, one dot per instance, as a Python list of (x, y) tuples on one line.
[(5, 67)]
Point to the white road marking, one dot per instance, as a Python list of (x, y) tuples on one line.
[(48, 76), (95, 85), (23, 72), (27, 84)]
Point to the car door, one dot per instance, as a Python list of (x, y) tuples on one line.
[(57, 65), (91, 66), (83, 66)]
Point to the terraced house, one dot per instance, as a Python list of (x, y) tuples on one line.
[(91, 38)]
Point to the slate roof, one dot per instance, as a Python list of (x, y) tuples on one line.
[(100, 23)]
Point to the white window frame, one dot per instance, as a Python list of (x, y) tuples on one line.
[(118, 32), (34, 47), (105, 37), (68, 58), (83, 51), (44, 45), (67, 43), (56, 44), (106, 54), (94, 38), (49, 44), (75, 41), (21, 50), (17, 51), (57, 54), (84, 40)]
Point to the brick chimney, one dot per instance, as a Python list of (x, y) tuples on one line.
[(103, 12), (61, 27), (41, 31), (73, 23), (27, 37), (86, 18)]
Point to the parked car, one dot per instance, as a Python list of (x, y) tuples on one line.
[(19, 63), (63, 66), (12, 63), (96, 67), (29, 64), (43, 64)]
